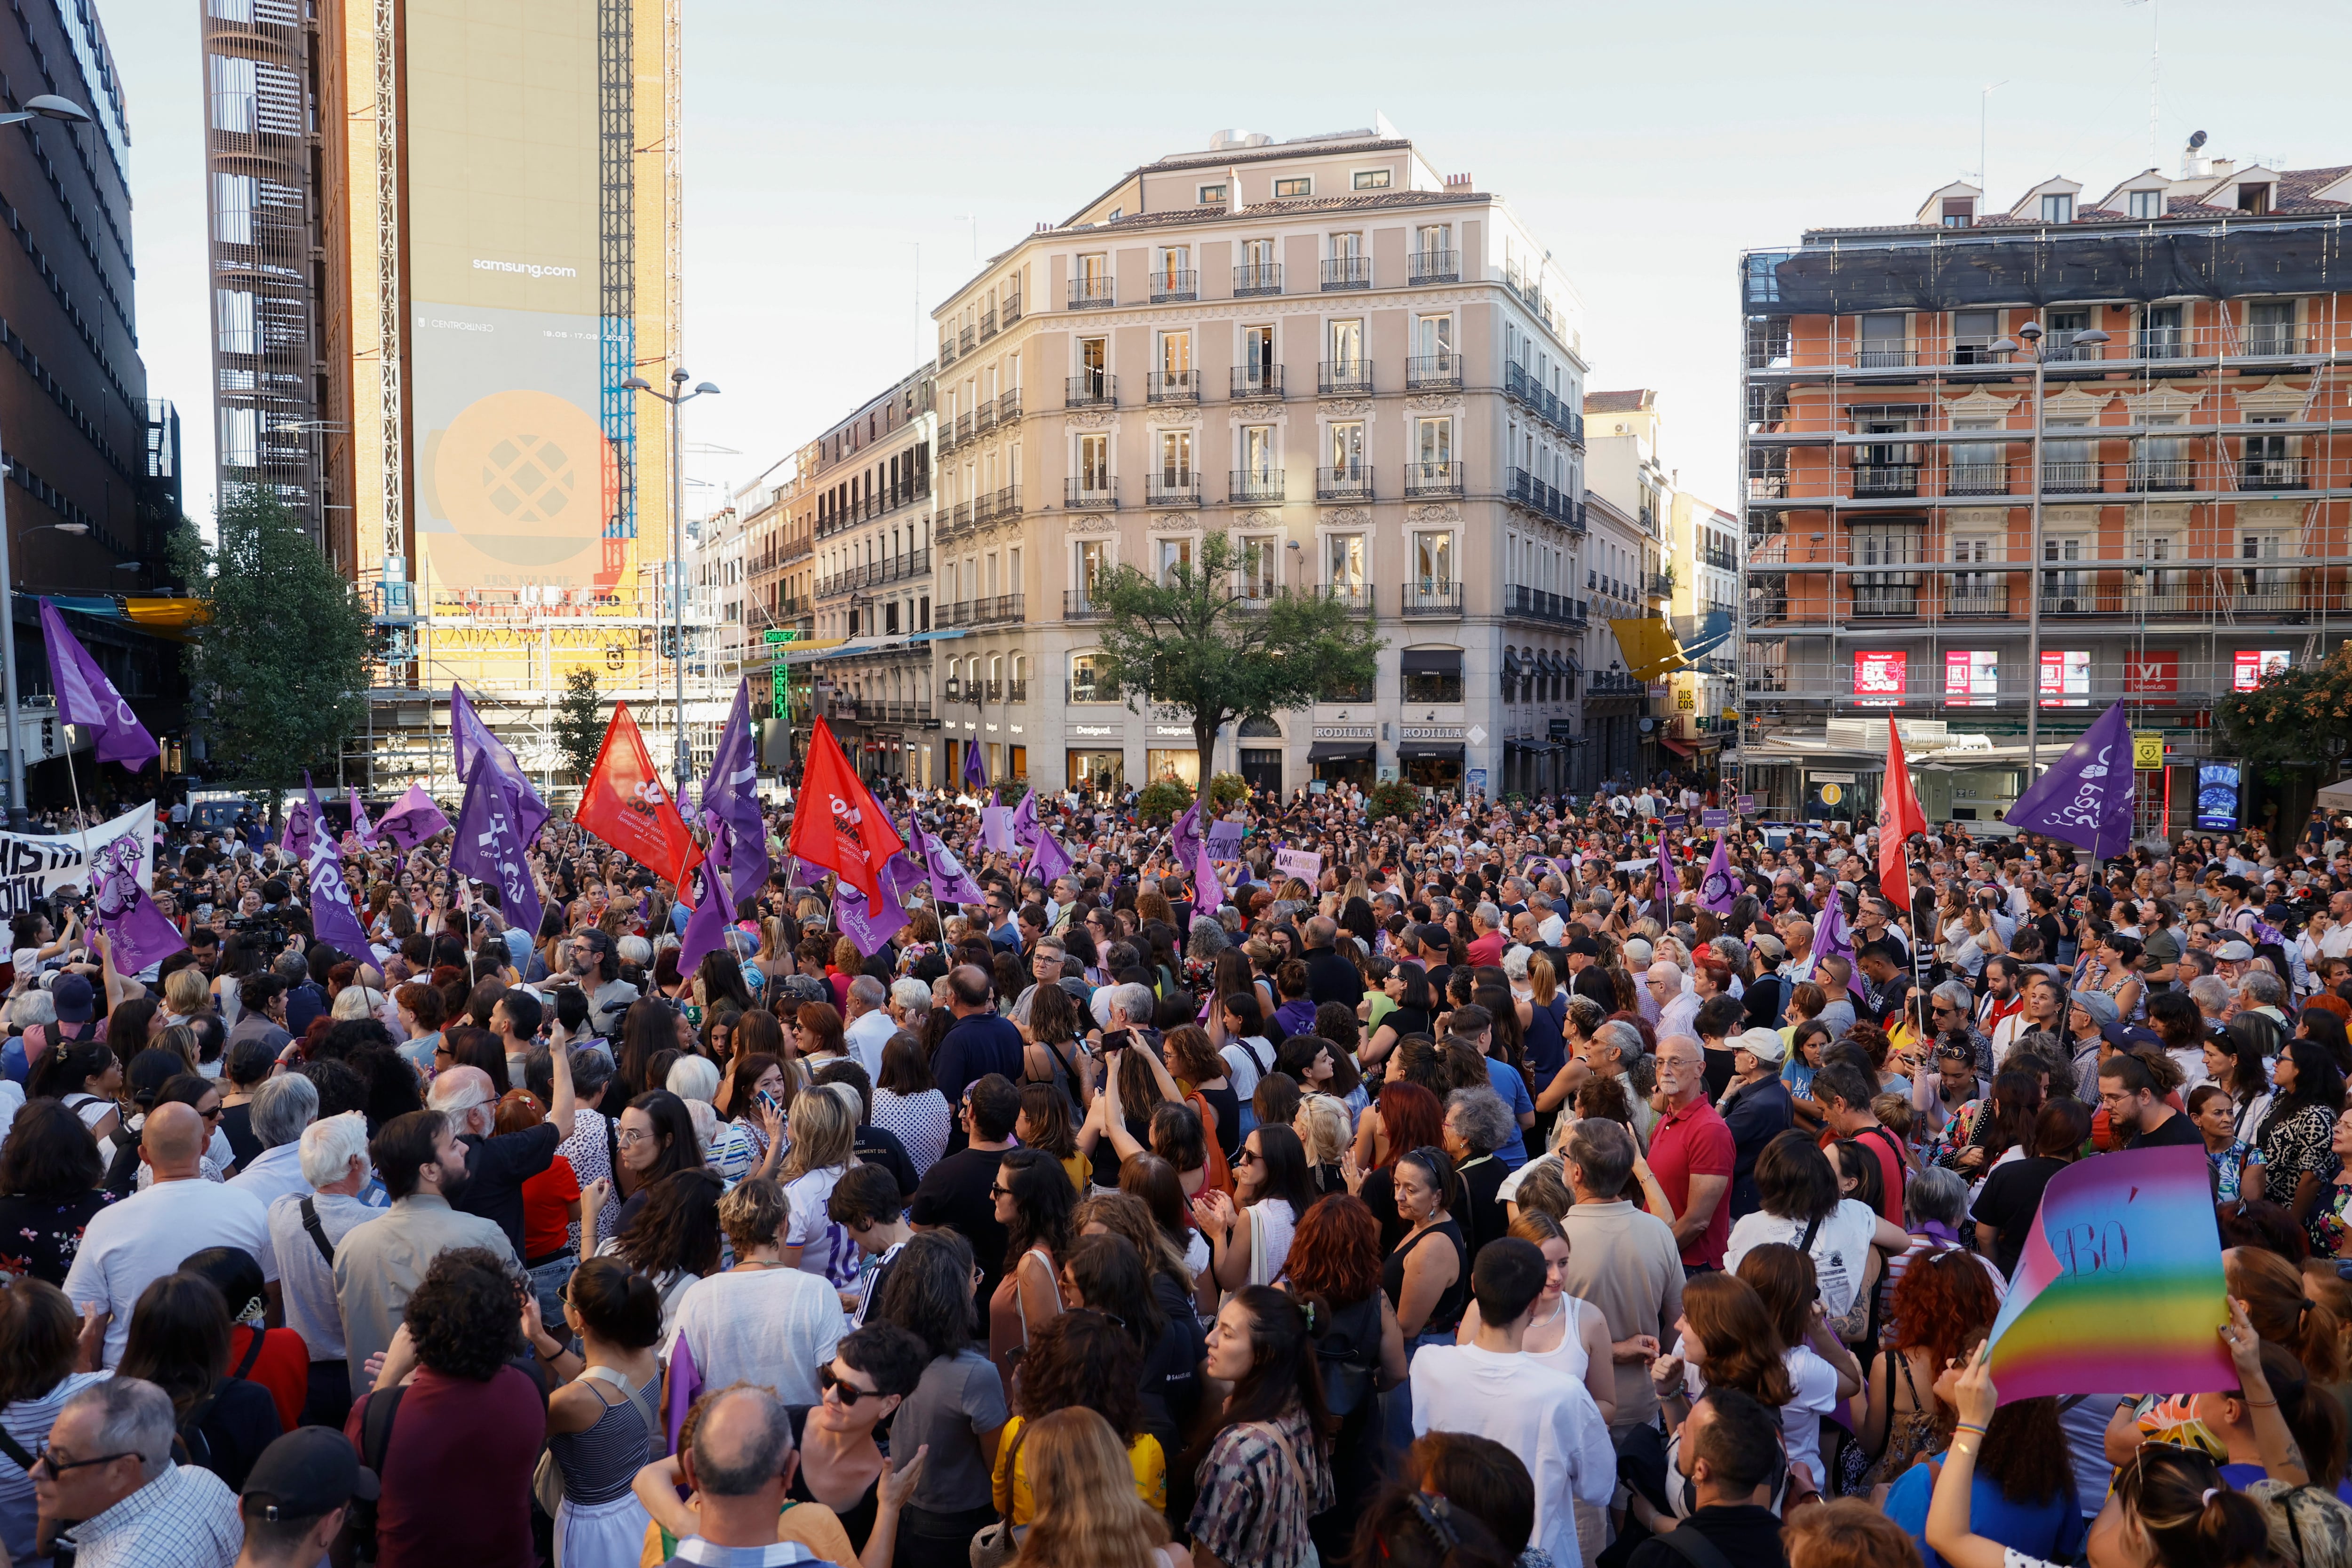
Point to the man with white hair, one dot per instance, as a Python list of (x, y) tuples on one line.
[(282, 1108), (497, 1166), (1486, 943), (304, 1228), (1676, 1001), (108, 1467), (910, 1005), (870, 1025)]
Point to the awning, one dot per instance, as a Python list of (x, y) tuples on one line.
[(1680, 747), (1649, 646), (1341, 751), (945, 635), (1547, 663), (808, 652), (1414, 751), (1511, 662), (1429, 660)]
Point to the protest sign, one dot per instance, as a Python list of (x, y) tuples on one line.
[(35, 865), (1299, 863), (2120, 1284)]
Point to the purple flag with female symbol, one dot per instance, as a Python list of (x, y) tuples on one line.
[(302, 827), (870, 924), (137, 935), (472, 738), (1669, 883), (1830, 940), (1184, 837), (87, 698), (490, 849), (2085, 797), (975, 768), (413, 819), (333, 920), (951, 883), (1208, 893), (1720, 890), (1025, 826), (360, 828), (731, 802), (1047, 858)]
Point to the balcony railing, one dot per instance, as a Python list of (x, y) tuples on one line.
[(1256, 380), (988, 324), (1977, 478), (1091, 293), (2274, 474), (1008, 407), (1080, 604), (1353, 483), (1355, 597), (2160, 474), (1016, 691), (1523, 603), (997, 504), (1436, 266), (1172, 386), (1258, 277), (1087, 690), (1431, 597), (1011, 310), (1976, 599), (1886, 478), (1433, 370), (1345, 378), (1348, 272), (1094, 389), (1245, 486), (1090, 490), (966, 340), (1169, 286), (962, 428), (1432, 479), (2072, 477), (1166, 488), (987, 612)]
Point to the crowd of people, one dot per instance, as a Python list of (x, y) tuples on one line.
[(1500, 1191)]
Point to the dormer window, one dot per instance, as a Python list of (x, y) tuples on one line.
[(2146, 203), (1213, 195), (2058, 206), (1371, 179), (1959, 212), (1304, 185), (2255, 197)]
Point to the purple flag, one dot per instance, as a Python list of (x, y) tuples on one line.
[(996, 828), (2085, 797), (489, 849), (1185, 835), (706, 929), (360, 827), (1048, 857), (731, 802), (87, 698), (1025, 827), (1830, 939), (1225, 840), (870, 926), (472, 738), (332, 919), (302, 827), (413, 819), (1669, 884), (1208, 893), (975, 768), (951, 883), (1720, 890), (807, 875), (137, 935)]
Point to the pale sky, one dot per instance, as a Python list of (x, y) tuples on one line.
[(1646, 144)]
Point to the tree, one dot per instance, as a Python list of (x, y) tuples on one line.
[(2301, 715), (1192, 643), (283, 655), (580, 722)]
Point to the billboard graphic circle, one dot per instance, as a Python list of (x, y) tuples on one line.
[(520, 477)]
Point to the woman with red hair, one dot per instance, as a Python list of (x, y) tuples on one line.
[(1407, 1117), (1335, 1269), (1944, 1305)]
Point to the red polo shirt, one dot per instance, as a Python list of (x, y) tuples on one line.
[(1693, 1141)]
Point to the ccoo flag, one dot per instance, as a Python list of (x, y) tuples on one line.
[(87, 698), (623, 804), (332, 919), (1899, 816), (835, 824), (2085, 798)]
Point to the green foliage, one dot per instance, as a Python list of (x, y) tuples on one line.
[(1010, 791), (283, 657), (580, 723), (1394, 797), (2300, 715), (1162, 802), (1193, 643), (1226, 788)]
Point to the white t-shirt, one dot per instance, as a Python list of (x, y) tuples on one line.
[(1242, 1068), (772, 1327), (867, 1038), (136, 1242), (826, 1249), (1546, 1417), (1841, 1247), (1800, 1419)]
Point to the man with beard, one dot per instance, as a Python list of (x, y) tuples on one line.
[(423, 1167)]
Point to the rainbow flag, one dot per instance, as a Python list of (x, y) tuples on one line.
[(2119, 1288)]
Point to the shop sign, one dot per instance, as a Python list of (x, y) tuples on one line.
[(1171, 732), (1429, 731), (1093, 731), (1345, 732), (1563, 729)]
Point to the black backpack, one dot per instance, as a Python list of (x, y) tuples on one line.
[(1340, 1353)]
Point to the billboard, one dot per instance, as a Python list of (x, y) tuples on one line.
[(1971, 678), (1879, 678), (2254, 666), (2154, 673), (2065, 679), (2216, 794), (509, 463)]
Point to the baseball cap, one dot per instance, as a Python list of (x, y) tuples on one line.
[(2230, 951), (1585, 946), (1768, 945), (1764, 1045), (310, 1471), (75, 1002)]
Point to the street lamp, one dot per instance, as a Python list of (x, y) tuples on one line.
[(45, 106), (2032, 332), (676, 397)]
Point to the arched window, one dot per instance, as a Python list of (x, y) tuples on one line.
[(1086, 684)]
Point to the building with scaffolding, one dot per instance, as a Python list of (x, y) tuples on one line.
[(433, 289), (2165, 522)]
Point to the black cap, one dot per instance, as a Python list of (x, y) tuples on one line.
[(310, 1471)]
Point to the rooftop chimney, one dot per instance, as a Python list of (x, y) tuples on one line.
[(1457, 182)]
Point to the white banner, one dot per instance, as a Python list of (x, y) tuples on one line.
[(34, 865), (1299, 863)]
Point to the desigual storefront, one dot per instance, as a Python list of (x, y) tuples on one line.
[(1094, 758)]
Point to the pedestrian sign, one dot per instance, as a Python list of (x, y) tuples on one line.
[(2147, 751)]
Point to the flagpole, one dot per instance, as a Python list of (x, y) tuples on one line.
[(79, 822)]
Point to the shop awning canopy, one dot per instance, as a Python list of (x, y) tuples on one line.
[(1680, 747), (1416, 751), (1341, 750), (1511, 665), (1429, 660)]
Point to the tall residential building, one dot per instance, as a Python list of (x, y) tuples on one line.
[(431, 288), (1365, 368), (1631, 493), (92, 480), (2164, 525)]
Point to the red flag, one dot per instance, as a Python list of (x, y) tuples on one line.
[(1898, 818), (835, 824), (625, 805)]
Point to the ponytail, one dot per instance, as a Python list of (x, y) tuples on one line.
[(2191, 1517), (617, 1303)]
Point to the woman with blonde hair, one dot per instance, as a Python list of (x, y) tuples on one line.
[(187, 994), (1088, 1515), (1322, 1128), (824, 1147)]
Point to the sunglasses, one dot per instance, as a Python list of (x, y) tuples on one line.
[(846, 1391), (996, 1190)]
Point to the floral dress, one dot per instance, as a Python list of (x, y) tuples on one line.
[(2230, 1167), (2330, 1223)]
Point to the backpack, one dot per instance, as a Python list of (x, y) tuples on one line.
[(1347, 1381)]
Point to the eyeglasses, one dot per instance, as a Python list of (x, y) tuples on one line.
[(843, 1389), (46, 1460), (630, 1135), (996, 1190)]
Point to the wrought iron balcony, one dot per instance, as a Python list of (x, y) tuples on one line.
[(1165, 488), (1172, 386), (1433, 370), (1090, 490), (1355, 597), (1012, 309), (1094, 389), (1886, 478), (1008, 407), (966, 340), (1259, 278), (1432, 479), (1249, 488), (2274, 474), (1431, 597), (1256, 380), (1353, 483), (1345, 378), (1348, 272), (1436, 266), (1080, 604), (1168, 287), (1091, 293), (1016, 691)]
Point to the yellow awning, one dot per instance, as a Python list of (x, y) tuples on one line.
[(158, 614), (1649, 646)]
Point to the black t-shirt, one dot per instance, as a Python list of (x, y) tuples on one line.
[(1747, 1537), (2011, 1200), (496, 1169), (2176, 1128), (236, 1126), (1171, 1380), (880, 1146), (954, 1193)]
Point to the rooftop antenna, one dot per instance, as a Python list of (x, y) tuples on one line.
[(973, 219), (2155, 58), (1984, 113)]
